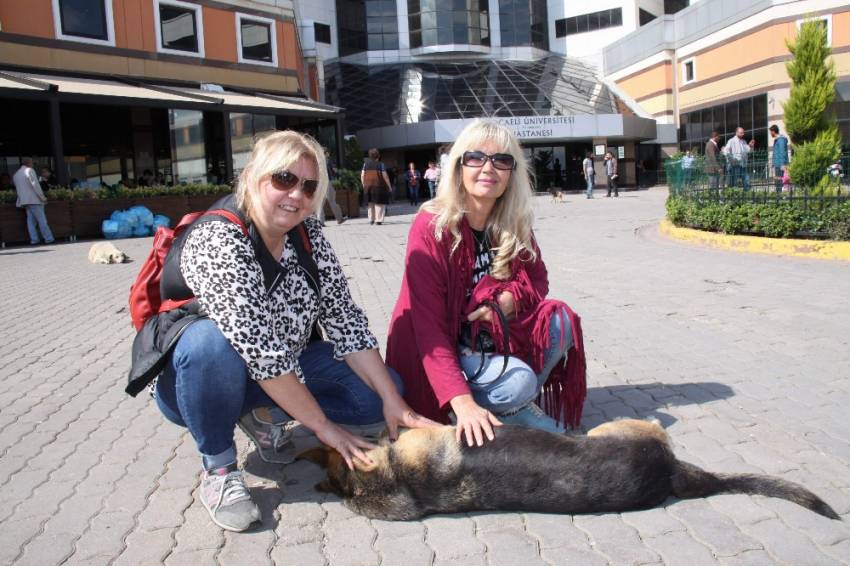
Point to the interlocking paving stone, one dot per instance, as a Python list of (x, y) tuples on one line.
[(743, 359)]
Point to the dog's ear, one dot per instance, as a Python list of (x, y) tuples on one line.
[(318, 455)]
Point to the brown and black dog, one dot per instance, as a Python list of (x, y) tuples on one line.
[(619, 466)]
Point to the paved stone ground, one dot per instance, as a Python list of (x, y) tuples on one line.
[(745, 360)]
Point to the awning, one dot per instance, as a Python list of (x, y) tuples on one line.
[(126, 91)]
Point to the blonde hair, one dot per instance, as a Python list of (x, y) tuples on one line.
[(510, 221), (272, 153)]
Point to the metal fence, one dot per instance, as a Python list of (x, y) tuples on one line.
[(756, 180)]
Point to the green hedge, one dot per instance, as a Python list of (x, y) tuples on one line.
[(775, 220), (62, 193)]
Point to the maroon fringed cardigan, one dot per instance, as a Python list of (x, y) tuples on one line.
[(422, 345)]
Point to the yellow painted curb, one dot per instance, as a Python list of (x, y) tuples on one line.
[(815, 249)]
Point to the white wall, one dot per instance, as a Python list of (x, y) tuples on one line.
[(324, 12)]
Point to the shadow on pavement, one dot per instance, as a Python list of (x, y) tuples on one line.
[(646, 400)]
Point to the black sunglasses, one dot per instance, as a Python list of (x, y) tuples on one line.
[(503, 161), (286, 181)]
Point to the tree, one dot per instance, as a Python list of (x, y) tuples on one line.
[(813, 132)]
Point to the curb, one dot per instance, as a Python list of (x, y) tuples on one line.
[(813, 249)]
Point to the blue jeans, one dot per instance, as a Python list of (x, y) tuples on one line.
[(739, 171), (35, 215), (591, 180), (205, 387), (519, 385), (432, 188)]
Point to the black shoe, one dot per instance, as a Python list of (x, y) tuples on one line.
[(371, 222), (379, 223)]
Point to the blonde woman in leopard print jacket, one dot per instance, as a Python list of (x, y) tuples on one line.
[(252, 361)]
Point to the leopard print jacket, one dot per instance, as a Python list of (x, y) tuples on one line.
[(270, 332)]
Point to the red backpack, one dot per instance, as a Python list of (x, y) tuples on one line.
[(145, 298)]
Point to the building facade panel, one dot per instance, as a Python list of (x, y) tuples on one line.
[(220, 42), (649, 81)]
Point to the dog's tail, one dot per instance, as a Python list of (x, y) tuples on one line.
[(690, 481)]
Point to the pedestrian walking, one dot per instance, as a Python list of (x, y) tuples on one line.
[(687, 164), (712, 166), (588, 173), (413, 180), (431, 176), (376, 185), (780, 156), (611, 173), (31, 198), (331, 196)]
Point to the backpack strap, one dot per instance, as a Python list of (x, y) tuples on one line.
[(304, 251)]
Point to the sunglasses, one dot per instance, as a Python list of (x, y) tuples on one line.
[(503, 161), (286, 181)]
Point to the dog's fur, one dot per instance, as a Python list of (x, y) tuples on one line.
[(618, 466), (557, 195), (106, 252)]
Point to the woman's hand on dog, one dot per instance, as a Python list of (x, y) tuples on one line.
[(397, 414), (473, 421), (348, 445)]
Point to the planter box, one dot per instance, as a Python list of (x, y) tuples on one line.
[(353, 204), (13, 224), (58, 214)]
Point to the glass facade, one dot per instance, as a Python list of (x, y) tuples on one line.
[(188, 153), (748, 113), (524, 23), (243, 129), (447, 22), (589, 22), (406, 93), (366, 25), (83, 18)]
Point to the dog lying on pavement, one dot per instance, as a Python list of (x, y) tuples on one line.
[(106, 252), (619, 466)]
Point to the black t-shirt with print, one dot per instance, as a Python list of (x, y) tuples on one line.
[(483, 257)]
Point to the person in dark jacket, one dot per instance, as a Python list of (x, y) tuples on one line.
[(413, 179), (255, 360)]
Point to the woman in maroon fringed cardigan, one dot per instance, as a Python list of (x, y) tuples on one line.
[(473, 244)]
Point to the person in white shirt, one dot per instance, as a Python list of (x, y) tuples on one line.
[(736, 151), (32, 199)]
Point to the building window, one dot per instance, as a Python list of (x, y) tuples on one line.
[(824, 21), (179, 28), (524, 23), (86, 21), (645, 17), (463, 23), (749, 113), (589, 22), (673, 6), (366, 25), (257, 40), (322, 32), (689, 71)]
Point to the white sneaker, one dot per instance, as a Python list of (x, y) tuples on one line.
[(224, 494)]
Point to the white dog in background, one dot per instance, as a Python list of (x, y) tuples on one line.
[(106, 252)]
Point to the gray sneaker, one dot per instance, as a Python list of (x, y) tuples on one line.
[(533, 416), (228, 501), (273, 441)]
